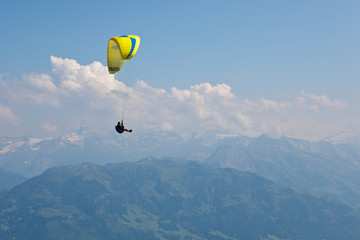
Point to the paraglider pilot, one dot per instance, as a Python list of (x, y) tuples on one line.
[(120, 128)]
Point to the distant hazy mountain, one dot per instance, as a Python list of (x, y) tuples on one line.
[(9, 180), (31, 156), (329, 169), (320, 167), (158, 199)]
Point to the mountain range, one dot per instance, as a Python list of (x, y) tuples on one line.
[(167, 199), (30, 156), (331, 170)]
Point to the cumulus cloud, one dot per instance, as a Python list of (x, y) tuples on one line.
[(42, 81), (75, 95), (201, 108), (92, 78)]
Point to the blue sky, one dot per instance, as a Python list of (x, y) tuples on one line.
[(279, 51)]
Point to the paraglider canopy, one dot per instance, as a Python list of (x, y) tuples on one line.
[(121, 49)]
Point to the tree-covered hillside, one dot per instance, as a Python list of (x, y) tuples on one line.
[(160, 199)]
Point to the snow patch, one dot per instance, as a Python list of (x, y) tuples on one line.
[(33, 141), (73, 138), (11, 147)]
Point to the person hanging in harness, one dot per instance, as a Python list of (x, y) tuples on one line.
[(120, 128)]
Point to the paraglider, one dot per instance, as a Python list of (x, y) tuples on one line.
[(121, 49), (120, 128)]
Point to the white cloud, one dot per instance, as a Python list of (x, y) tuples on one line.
[(167, 126), (7, 116), (199, 109), (272, 105), (75, 95), (325, 101), (49, 127), (42, 81), (92, 78)]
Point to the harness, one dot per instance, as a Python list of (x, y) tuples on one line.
[(119, 129)]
